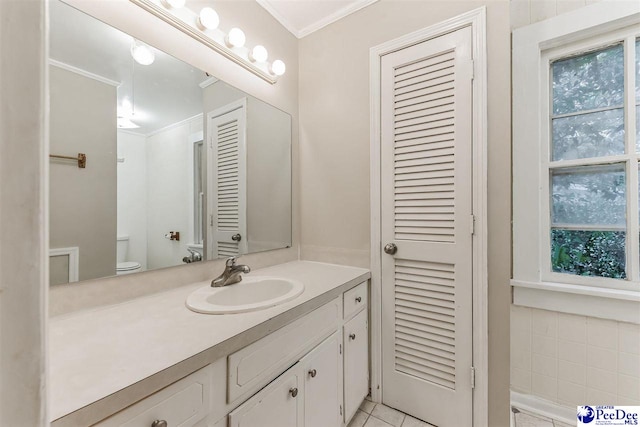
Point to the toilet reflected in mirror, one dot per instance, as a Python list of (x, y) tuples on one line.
[(124, 264)]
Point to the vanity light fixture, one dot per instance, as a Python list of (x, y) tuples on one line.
[(258, 54), (203, 26), (208, 18), (142, 53), (278, 68), (235, 38)]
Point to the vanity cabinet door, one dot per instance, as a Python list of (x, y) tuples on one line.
[(356, 363), (277, 405), (323, 384)]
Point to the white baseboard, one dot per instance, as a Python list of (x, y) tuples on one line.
[(545, 408)]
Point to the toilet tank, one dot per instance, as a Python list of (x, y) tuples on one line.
[(121, 248)]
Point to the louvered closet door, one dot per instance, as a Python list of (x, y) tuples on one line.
[(426, 213), (228, 182)]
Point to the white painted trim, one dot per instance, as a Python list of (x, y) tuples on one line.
[(208, 82), (82, 72), (542, 407), (612, 304), (477, 20), (173, 125), (320, 23), (74, 260)]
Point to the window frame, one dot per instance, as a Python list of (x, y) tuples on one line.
[(627, 36), (534, 46)]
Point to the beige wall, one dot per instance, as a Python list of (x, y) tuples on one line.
[(260, 27), (334, 150), (82, 204), (23, 195)]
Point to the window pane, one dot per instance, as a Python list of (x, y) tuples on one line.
[(588, 253), (589, 196), (589, 81), (588, 135)]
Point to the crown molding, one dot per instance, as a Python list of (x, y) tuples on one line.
[(82, 72), (320, 23)]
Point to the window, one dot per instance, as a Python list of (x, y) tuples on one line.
[(576, 159), (590, 161)]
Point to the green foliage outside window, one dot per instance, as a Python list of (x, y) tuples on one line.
[(588, 253)]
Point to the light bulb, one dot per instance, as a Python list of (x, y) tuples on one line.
[(176, 4), (235, 38), (259, 54), (142, 53), (278, 68), (209, 18)]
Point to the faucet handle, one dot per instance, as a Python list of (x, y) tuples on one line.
[(231, 261)]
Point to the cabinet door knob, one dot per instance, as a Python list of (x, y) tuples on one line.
[(358, 299), (159, 423), (313, 373), (236, 237), (293, 392), (352, 336)]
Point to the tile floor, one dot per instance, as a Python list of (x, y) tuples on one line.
[(378, 415), (524, 419)]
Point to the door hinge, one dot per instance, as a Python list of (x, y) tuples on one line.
[(473, 69), (472, 226), (340, 345), (473, 377), (211, 220), (340, 409)]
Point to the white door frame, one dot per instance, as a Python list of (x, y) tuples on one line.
[(477, 20)]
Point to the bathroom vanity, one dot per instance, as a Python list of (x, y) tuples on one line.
[(301, 363)]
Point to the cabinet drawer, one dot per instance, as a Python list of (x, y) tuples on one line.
[(182, 404), (355, 300), (257, 364)]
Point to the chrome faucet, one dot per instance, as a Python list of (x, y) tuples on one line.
[(231, 274), (194, 256)]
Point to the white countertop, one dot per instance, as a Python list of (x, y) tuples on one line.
[(98, 352)]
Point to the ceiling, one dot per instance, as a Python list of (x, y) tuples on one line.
[(166, 92), (303, 17)]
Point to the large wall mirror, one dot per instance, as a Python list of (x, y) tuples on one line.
[(154, 162)]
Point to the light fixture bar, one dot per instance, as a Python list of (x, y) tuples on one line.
[(186, 21)]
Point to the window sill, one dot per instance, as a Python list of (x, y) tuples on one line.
[(613, 304)]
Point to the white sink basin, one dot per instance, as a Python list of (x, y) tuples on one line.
[(251, 294)]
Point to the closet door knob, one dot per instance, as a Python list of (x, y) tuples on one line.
[(159, 423), (293, 392), (313, 373), (358, 299), (236, 237), (352, 336), (390, 248)]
